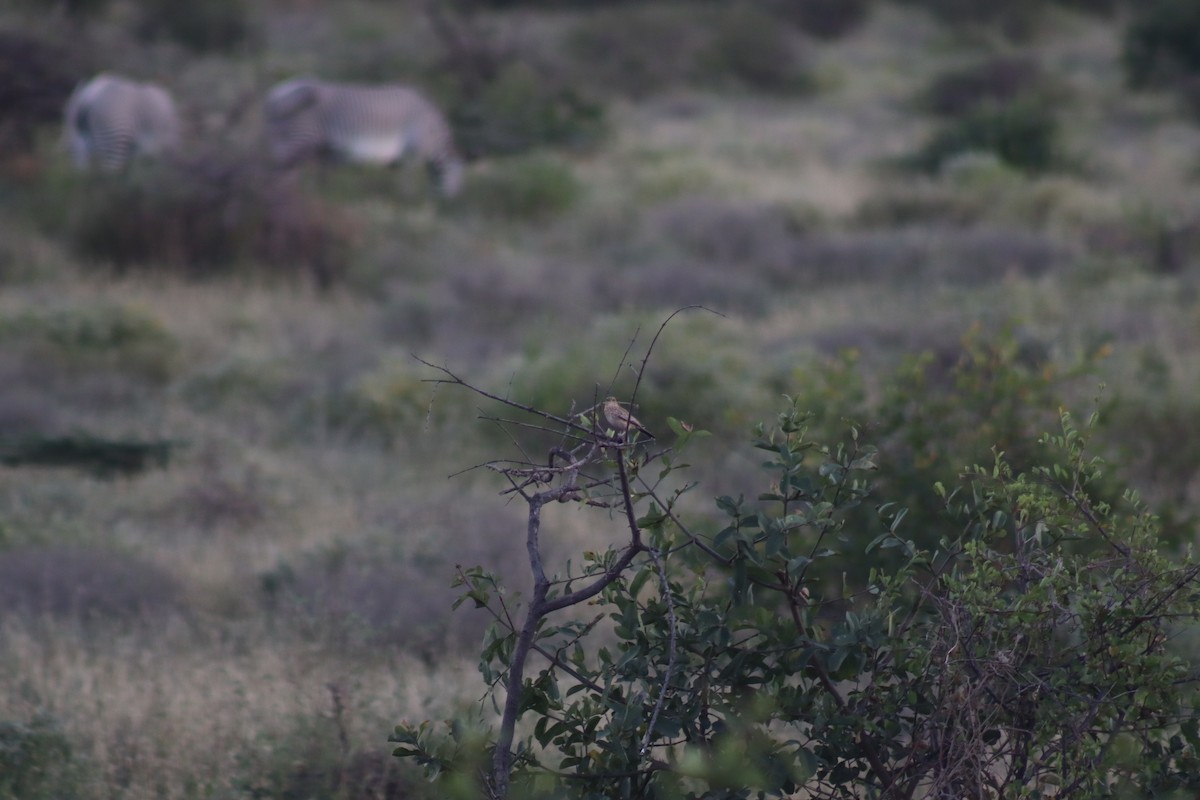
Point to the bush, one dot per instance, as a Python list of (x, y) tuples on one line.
[(1024, 134), (1017, 18), (639, 51), (385, 404), (347, 597), (1162, 43), (519, 110), (219, 25), (76, 9), (528, 188), (35, 760), (312, 758), (109, 338), (825, 19), (715, 661), (208, 218), (84, 584), (36, 78), (994, 81), (750, 48), (101, 456)]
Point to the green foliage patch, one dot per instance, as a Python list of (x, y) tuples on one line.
[(36, 760), (1162, 42), (530, 188), (520, 109), (825, 19), (1024, 134), (110, 337), (213, 25), (996, 81), (99, 455), (1001, 658)]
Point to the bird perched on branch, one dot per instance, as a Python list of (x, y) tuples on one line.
[(620, 419)]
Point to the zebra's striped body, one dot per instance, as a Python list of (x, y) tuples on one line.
[(109, 120), (307, 118)]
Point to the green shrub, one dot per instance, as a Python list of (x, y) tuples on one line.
[(35, 760), (76, 9), (525, 188), (1101, 7), (939, 411), (101, 456), (994, 81), (716, 661), (385, 404), (1024, 134), (825, 19), (519, 110), (211, 25), (313, 759), (109, 337), (1017, 18), (1162, 43), (750, 48), (640, 49)]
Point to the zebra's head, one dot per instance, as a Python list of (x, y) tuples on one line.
[(292, 126)]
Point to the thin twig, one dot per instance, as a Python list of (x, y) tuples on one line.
[(671, 651)]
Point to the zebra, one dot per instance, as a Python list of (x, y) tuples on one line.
[(110, 119), (379, 124)]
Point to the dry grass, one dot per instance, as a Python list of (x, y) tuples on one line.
[(191, 710)]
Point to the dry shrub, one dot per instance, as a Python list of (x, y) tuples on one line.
[(208, 216), (711, 229), (959, 256), (922, 201), (1147, 238), (86, 584), (722, 286), (702, 250), (216, 501), (373, 594)]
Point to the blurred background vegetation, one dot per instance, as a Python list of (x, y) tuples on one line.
[(224, 509)]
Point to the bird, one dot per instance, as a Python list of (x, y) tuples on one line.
[(620, 419)]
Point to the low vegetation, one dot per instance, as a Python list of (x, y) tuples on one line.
[(227, 529)]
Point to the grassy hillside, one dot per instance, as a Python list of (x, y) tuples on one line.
[(251, 618)]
